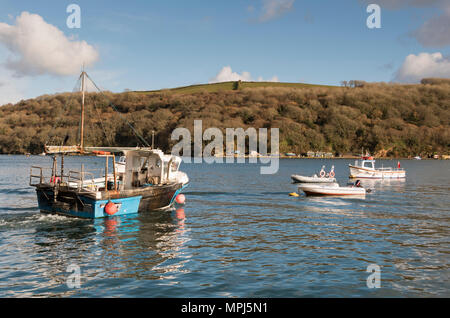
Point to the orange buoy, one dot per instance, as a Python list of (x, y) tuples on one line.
[(111, 208), (180, 199)]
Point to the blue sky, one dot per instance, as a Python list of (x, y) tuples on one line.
[(146, 45)]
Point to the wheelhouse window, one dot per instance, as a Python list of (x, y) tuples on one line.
[(367, 165), (174, 166)]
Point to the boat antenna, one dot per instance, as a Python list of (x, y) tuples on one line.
[(83, 75), (153, 139)]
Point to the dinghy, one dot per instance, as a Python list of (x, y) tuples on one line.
[(332, 189), (314, 179), (323, 177)]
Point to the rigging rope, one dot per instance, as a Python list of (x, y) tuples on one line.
[(77, 88), (115, 109)]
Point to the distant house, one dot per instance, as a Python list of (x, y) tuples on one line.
[(310, 154), (319, 154)]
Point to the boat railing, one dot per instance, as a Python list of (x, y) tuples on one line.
[(390, 169), (45, 176), (82, 180), (39, 173), (87, 181)]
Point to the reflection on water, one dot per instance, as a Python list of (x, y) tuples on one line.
[(239, 235), (140, 247), (395, 185)]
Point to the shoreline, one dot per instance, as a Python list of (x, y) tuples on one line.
[(269, 157)]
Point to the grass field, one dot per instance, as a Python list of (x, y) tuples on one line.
[(224, 86)]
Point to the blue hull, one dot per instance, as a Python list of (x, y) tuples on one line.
[(93, 208), (71, 203)]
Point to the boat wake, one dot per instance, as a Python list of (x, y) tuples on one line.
[(11, 221), (19, 191)]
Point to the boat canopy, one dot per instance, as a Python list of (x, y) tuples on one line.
[(87, 150), (148, 167), (365, 163)]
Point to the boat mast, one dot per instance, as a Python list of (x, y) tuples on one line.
[(153, 139), (83, 75)]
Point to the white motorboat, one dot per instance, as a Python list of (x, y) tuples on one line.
[(365, 169), (323, 177), (331, 190)]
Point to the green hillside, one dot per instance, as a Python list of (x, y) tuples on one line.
[(223, 86)]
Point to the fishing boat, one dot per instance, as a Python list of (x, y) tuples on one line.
[(332, 189), (144, 179), (365, 169), (321, 177)]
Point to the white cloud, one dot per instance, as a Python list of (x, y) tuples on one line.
[(416, 67), (226, 74), (273, 79), (41, 48), (273, 9)]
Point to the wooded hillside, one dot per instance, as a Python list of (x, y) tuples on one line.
[(386, 119)]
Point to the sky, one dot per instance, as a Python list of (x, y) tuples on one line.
[(148, 45)]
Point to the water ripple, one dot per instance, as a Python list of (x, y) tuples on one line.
[(239, 235)]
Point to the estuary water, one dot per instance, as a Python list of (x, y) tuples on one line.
[(239, 235)]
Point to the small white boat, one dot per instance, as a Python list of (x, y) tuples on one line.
[(323, 177), (417, 158), (365, 169), (332, 190), (314, 179)]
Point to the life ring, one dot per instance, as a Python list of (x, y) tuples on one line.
[(322, 173), (332, 174), (97, 152)]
